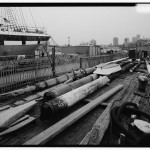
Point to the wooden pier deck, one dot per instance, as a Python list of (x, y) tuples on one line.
[(88, 130)]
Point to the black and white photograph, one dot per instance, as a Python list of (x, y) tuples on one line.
[(74, 74)]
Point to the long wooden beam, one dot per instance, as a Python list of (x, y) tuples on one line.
[(57, 128)]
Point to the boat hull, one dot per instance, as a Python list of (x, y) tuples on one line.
[(6, 50)]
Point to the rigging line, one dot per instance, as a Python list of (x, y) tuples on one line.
[(6, 15), (42, 24), (23, 18), (15, 11), (15, 19), (32, 17), (1, 15), (38, 21), (28, 21), (11, 19), (5, 11)]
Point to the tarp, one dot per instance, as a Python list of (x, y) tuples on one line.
[(106, 69)]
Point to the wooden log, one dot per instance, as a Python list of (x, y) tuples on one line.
[(124, 69), (9, 116), (57, 128), (39, 95), (141, 70), (148, 66), (68, 87), (51, 108), (132, 69), (4, 107), (18, 126), (115, 61), (69, 80), (127, 67)]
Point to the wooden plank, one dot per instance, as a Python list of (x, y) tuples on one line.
[(18, 126), (100, 124), (20, 120), (57, 128)]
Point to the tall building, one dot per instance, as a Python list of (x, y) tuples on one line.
[(115, 41), (134, 39), (126, 42), (138, 36)]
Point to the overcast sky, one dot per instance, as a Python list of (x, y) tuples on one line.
[(82, 24)]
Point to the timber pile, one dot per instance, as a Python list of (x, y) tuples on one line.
[(56, 106), (48, 83), (13, 113)]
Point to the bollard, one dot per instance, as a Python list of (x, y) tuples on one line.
[(143, 80)]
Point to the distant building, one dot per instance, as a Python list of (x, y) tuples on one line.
[(115, 41), (92, 42), (92, 50), (134, 39), (141, 43), (138, 37)]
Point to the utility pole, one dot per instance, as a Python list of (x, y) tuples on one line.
[(68, 41)]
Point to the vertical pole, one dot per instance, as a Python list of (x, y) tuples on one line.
[(89, 57), (53, 61), (80, 62)]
